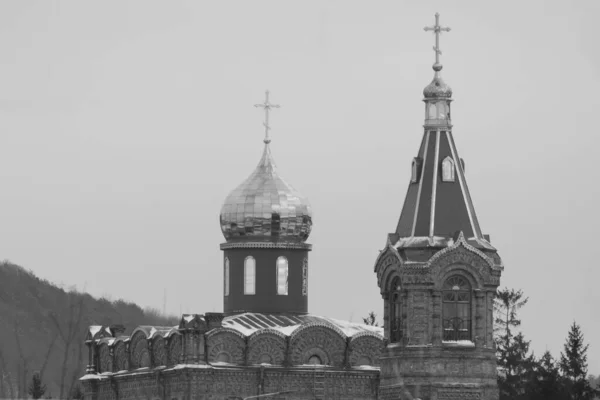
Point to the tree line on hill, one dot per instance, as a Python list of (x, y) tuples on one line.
[(42, 332), (523, 376)]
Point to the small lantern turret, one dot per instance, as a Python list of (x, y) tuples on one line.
[(438, 95)]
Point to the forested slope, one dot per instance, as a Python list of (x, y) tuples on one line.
[(42, 329)]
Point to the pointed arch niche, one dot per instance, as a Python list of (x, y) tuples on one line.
[(448, 170), (415, 170)]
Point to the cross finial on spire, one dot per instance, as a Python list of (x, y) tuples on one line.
[(267, 107), (437, 29)]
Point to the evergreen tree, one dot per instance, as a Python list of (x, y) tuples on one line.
[(546, 382), (37, 388), (573, 364), (515, 364)]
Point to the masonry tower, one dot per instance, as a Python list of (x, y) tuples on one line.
[(438, 273)]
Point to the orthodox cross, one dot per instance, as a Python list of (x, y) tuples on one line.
[(437, 29), (267, 107)]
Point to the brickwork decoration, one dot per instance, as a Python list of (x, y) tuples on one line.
[(266, 346), (105, 358), (226, 345), (174, 349), (365, 349), (139, 356), (159, 351), (326, 342), (458, 394), (120, 356)]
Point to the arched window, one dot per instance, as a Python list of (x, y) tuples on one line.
[(282, 275), (456, 309), (395, 309), (226, 277), (448, 169), (249, 275)]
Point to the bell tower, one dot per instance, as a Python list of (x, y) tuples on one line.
[(438, 273)]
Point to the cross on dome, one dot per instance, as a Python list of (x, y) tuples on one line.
[(437, 29), (267, 107)]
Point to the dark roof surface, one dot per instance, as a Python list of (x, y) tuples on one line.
[(434, 208)]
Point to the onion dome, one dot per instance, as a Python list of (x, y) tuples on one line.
[(437, 88), (265, 207)]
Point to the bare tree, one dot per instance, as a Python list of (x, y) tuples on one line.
[(47, 357), (23, 363), (69, 335), (5, 378)]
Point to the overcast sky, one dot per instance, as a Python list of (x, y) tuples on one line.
[(125, 124)]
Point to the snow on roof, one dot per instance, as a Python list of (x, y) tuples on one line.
[(91, 377), (94, 329), (188, 317), (249, 323)]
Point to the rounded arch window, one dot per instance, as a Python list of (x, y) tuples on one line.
[(249, 275), (456, 296), (282, 276), (315, 360)]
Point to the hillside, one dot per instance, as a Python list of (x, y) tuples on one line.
[(42, 328)]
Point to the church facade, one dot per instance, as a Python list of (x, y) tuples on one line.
[(437, 275), (265, 342)]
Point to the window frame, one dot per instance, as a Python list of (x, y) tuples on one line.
[(287, 276), (246, 265), (457, 326)]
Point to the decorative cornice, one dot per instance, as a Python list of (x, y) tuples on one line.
[(388, 247), (217, 331), (317, 324), (266, 245), (461, 241), (372, 334)]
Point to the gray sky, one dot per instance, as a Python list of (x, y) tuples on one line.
[(125, 124)]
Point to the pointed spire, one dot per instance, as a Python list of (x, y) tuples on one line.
[(438, 202)]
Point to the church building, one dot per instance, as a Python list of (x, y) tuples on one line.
[(437, 275)]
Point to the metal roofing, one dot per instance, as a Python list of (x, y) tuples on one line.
[(249, 323)]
